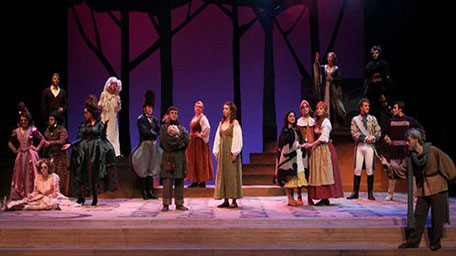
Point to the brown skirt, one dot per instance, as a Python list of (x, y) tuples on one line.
[(325, 191), (199, 161)]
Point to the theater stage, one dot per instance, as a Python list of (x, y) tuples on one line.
[(263, 225)]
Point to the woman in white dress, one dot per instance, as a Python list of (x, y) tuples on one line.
[(111, 105), (46, 193)]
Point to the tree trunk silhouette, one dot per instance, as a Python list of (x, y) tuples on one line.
[(162, 10), (237, 62), (307, 82), (266, 18), (124, 115), (164, 31), (238, 32)]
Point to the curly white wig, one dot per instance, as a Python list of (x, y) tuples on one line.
[(113, 79)]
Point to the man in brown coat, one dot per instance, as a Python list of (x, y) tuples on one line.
[(174, 140), (432, 169)]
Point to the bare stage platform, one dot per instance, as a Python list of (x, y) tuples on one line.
[(262, 225)]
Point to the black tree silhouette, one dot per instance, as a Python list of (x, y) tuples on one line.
[(159, 12)]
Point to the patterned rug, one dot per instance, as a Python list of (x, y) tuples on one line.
[(250, 208)]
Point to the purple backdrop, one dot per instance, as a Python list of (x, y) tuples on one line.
[(202, 62)]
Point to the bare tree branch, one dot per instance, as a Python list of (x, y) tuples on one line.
[(225, 10), (95, 29), (332, 41), (154, 22), (134, 63), (98, 53), (288, 31), (114, 18), (295, 56), (189, 8), (188, 19), (244, 28)]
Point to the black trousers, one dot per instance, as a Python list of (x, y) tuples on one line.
[(437, 204)]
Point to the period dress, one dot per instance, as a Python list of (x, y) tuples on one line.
[(288, 175), (45, 196), (57, 137), (305, 126), (228, 182), (25, 169), (199, 160), (333, 91), (111, 105), (324, 179), (93, 161)]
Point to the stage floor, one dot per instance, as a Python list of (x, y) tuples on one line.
[(346, 211), (260, 226)]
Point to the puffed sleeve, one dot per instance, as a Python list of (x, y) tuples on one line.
[(216, 146), (205, 129), (12, 141), (118, 106), (55, 185), (104, 102), (236, 145), (37, 135), (325, 131)]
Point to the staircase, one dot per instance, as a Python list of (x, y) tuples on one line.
[(211, 237), (260, 170)]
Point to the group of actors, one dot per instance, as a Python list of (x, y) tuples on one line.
[(42, 183), (306, 157)]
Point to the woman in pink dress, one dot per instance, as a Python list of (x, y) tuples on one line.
[(21, 142)]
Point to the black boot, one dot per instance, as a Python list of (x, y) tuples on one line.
[(202, 185), (81, 200), (356, 182), (370, 187), (144, 188), (150, 188), (94, 199), (193, 185)]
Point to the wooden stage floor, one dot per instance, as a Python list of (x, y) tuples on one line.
[(261, 226)]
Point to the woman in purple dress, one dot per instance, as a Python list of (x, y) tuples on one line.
[(22, 143)]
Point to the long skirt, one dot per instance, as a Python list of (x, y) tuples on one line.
[(199, 161), (324, 179)]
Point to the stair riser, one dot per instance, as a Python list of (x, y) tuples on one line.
[(206, 237), (229, 252)]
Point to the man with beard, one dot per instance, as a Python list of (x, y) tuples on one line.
[(174, 140), (432, 168)]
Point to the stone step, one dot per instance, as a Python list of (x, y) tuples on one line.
[(220, 251), (253, 179), (263, 158), (258, 169), (200, 236)]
